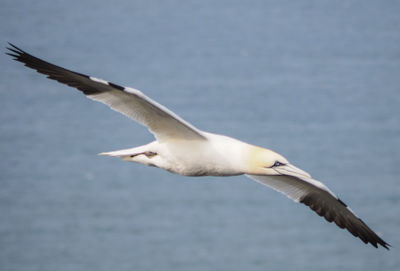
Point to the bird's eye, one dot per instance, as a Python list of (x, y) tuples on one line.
[(277, 164)]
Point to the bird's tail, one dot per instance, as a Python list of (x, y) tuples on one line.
[(120, 153), (131, 154)]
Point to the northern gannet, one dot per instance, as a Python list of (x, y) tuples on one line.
[(183, 149)]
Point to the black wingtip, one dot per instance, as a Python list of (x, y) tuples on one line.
[(14, 47), (361, 231), (62, 75), (12, 55), (14, 51), (386, 245)]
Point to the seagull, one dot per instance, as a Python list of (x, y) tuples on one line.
[(181, 148)]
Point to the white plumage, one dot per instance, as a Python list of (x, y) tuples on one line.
[(183, 149)]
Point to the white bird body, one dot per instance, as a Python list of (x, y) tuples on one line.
[(183, 149), (217, 155)]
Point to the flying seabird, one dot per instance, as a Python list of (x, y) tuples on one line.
[(183, 149)]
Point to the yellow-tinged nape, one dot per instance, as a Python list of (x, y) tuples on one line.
[(260, 161)]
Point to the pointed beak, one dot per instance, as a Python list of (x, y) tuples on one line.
[(291, 170)]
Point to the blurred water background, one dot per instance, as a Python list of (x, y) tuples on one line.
[(317, 81)]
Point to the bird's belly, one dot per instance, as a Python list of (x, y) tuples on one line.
[(200, 165), (200, 170)]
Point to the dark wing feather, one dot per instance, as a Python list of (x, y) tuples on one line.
[(334, 210), (163, 123), (321, 200)]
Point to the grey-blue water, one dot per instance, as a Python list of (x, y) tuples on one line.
[(318, 81)]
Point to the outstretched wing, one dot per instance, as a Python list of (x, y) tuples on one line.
[(321, 200), (163, 123)]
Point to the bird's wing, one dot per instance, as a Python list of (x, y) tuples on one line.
[(163, 123), (321, 200)]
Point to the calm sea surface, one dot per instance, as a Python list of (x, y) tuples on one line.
[(318, 81)]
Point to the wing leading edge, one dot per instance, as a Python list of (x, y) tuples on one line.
[(162, 122)]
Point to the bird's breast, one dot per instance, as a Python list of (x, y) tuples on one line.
[(219, 156)]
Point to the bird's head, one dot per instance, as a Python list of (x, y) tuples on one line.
[(267, 162)]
